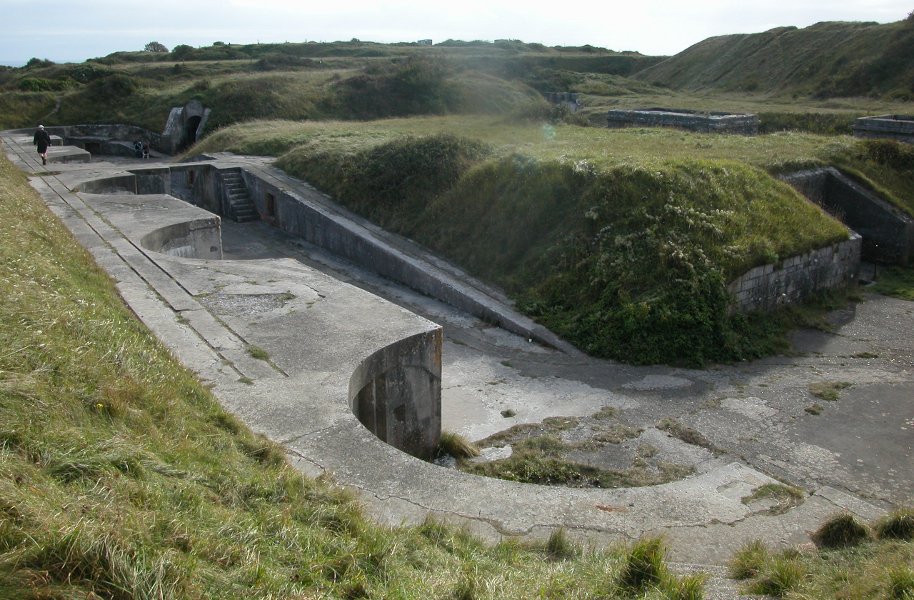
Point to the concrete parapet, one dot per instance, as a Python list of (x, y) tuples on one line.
[(893, 127), (887, 231), (705, 122)]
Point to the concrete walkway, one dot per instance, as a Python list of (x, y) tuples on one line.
[(855, 457)]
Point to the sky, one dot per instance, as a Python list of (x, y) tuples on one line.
[(75, 30)]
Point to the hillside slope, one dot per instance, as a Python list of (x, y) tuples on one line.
[(824, 60)]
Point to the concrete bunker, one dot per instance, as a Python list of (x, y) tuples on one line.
[(887, 231), (892, 127), (394, 392), (704, 122), (184, 127)]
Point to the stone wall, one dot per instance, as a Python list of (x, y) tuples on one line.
[(887, 231), (893, 127), (768, 286), (705, 122)]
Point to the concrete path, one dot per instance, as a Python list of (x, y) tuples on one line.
[(855, 456)]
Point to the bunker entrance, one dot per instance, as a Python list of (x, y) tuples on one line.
[(190, 133)]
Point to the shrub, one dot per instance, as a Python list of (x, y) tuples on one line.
[(841, 531), (113, 87), (414, 86)]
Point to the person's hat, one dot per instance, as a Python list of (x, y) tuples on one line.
[(41, 127)]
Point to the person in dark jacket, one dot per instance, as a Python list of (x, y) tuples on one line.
[(42, 140)]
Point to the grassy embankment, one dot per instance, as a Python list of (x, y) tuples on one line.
[(851, 560), (621, 240), (120, 476)]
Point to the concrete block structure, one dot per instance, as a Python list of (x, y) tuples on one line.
[(887, 231), (767, 287), (892, 127), (704, 122)]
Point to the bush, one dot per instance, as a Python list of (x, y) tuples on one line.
[(113, 87), (415, 86), (841, 531)]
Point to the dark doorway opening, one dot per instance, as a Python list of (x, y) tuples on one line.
[(190, 133)]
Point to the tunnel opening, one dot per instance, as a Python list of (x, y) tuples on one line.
[(190, 133)]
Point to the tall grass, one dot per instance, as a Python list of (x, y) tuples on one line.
[(121, 477)]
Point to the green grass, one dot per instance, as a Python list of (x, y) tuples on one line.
[(868, 568), (824, 60), (895, 281), (121, 477)]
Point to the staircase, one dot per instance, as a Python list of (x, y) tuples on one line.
[(240, 206)]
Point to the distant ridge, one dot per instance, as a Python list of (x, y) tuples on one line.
[(827, 59)]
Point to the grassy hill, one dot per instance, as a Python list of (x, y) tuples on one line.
[(342, 80), (823, 60)]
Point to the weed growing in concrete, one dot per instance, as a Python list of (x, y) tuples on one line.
[(841, 531), (644, 568), (685, 433), (785, 497), (257, 352), (456, 445), (814, 409), (829, 391)]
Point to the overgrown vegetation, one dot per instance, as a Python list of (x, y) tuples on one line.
[(120, 476), (848, 563)]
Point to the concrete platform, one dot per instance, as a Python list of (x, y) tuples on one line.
[(319, 333)]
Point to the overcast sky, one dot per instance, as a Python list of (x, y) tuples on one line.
[(74, 30)]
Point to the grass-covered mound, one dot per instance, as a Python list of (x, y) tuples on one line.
[(825, 60), (120, 476), (620, 241)]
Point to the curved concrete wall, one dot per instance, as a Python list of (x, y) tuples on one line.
[(396, 393), (108, 185), (201, 238)]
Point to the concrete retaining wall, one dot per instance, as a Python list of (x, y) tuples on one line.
[(887, 231), (893, 127), (705, 122), (768, 286)]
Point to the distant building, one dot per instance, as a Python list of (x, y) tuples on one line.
[(424, 42)]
